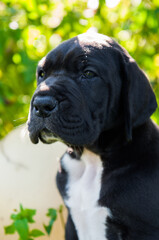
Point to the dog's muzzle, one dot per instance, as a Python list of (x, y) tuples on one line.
[(43, 106), (59, 112)]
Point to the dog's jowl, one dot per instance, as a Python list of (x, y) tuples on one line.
[(92, 96)]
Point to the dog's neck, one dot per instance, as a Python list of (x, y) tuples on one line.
[(112, 145), (113, 148), (109, 140)]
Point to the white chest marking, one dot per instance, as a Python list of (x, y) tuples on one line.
[(84, 185)]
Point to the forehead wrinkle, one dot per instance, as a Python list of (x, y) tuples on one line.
[(52, 62), (67, 53), (75, 52), (74, 60)]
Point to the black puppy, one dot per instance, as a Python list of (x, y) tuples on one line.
[(92, 96)]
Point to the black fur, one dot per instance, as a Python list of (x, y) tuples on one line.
[(108, 112)]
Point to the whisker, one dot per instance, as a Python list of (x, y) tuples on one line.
[(19, 125), (24, 131), (20, 118)]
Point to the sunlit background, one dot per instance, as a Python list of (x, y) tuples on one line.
[(29, 29)]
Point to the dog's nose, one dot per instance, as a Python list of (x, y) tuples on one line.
[(44, 105)]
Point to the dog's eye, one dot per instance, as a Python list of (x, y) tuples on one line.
[(41, 74), (89, 74)]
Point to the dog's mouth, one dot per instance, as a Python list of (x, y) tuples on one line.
[(48, 137), (73, 131), (45, 136)]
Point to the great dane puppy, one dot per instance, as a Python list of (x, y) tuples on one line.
[(92, 96)]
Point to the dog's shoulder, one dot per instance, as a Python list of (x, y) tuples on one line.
[(131, 176)]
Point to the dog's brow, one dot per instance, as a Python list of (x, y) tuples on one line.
[(44, 87), (42, 62)]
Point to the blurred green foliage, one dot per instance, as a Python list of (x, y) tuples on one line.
[(22, 219), (29, 29)]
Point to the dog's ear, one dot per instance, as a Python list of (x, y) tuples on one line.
[(138, 97)]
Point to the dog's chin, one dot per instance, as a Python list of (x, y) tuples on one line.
[(48, 137), (44, 136), (71, 138)]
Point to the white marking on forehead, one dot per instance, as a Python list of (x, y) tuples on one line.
[(44, 87)]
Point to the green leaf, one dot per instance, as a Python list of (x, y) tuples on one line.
[(9, 229), (48, 228), (36, 233), (21, 227), (60, 209), (14, 216), (24, 213), (21, 208), (52, 213), (28, 214)]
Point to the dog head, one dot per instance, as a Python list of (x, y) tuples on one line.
[(87, 85)]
